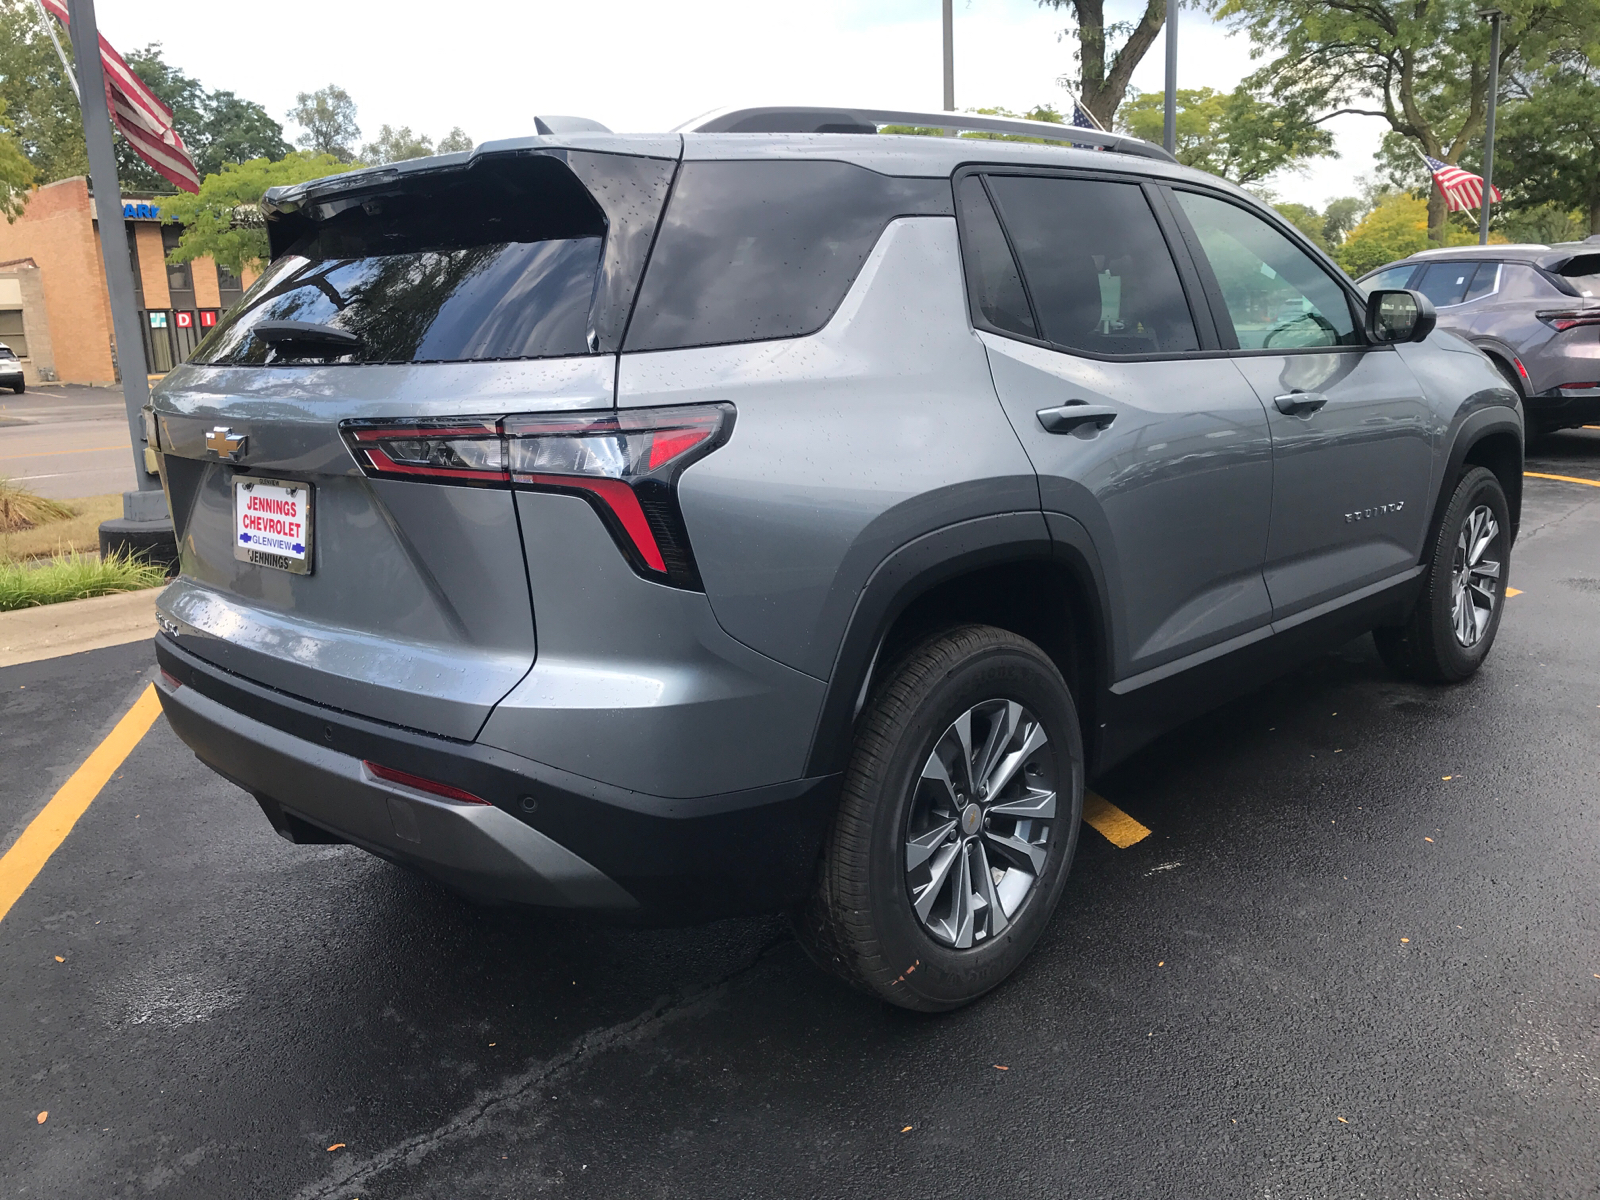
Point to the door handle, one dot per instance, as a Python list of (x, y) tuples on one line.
[(1067, 417), (1299, 404)]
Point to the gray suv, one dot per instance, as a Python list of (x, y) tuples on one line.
[(736, 521), (1534, 310)]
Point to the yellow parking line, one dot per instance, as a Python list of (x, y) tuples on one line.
[(49, 829), (54, 453), (1116, 826), (1562, 478), (1511, 591)]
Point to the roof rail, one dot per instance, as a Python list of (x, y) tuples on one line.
[(870, 120)]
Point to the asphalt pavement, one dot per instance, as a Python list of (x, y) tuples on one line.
[(66, 441), (1358, 956)]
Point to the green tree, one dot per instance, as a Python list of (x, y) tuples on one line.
[(1340, 217), (328, 117), (1397, 226), (1420, 65), (1549, 144), (16, 174), (396, 145), (1104, 71), (1541, 224), (1232, 134), (222, 221), (1307, 220), (237, 131), (40, 112), (454, 142)]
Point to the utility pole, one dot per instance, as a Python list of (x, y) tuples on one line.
[(1494, 16), (145, 526), (1169, 122), (949, 56)]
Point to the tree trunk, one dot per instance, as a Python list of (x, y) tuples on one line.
[(1438, 215)]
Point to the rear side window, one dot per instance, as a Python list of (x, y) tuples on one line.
[(752, 250), (499, 262), (1446, 283), (1583, 273), (1095, 265), (997, 293)]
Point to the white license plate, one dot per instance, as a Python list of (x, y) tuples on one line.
[(272, 523)]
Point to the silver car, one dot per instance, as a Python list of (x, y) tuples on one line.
[(11, 370), (1534, 310), (779, 515)]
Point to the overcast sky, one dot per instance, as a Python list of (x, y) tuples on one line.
[(490, 65)]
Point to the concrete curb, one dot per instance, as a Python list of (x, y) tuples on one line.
[(51, 630)]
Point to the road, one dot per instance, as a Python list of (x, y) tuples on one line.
[(1359, 956), (66, 442)]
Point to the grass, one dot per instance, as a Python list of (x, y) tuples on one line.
[(78, 531), (20, 508), (73, 576)]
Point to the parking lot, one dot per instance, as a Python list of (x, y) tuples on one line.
[(1357, 956)]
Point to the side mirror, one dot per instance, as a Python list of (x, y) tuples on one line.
[(1400, 316)]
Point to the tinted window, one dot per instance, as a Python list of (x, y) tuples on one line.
[(1277, 295), (1484, 280), (1096, 266), (1392, 279), (496, 262), (1446, 283), (1583, 273), (765, 249), (997, 295)]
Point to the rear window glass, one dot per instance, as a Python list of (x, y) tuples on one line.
[(1583, 273), (498, 262), (997, 291), (751, 250)]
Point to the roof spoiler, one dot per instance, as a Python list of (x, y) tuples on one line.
[(871, 120)]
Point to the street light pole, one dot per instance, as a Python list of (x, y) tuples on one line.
[(114, 252), (949, 56), (1169, 123), (1494, 17)]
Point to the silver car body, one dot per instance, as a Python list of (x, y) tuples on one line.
[(678, 749)]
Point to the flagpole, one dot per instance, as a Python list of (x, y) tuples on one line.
[(1169, 116), (1493, 15), (147, 503), (949, 56)]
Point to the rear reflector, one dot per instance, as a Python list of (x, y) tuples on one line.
[(624, 463), (421, 784), (172, 681), (1579, 387)]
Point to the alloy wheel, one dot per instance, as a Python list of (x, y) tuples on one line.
[(978, 830), (1475, 575)]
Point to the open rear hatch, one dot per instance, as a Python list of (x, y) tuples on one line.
[(448, 294)]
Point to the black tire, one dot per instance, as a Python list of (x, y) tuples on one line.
[(860, 923), (19, 388), (1427, 647)]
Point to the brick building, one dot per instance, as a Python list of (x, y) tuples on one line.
[(54, 311)]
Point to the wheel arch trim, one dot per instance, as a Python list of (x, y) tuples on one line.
[(1478, 427)]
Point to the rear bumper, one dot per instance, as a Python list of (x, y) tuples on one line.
[(1564, 407), (545, 837)]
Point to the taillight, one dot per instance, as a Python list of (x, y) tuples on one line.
[(625, 463), (421, 783), (1563, 321)]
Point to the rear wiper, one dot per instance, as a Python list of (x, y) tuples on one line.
[(311, 336)]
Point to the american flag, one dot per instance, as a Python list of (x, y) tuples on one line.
[(138, 115), (1463, 191)]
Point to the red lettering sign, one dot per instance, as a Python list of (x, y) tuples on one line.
[(185, 320)]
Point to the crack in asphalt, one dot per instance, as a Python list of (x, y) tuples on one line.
[(513, 1094)]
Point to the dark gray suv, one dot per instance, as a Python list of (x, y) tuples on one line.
[(733, 521), (1534, 310)]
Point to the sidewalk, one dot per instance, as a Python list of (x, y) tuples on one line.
[(51, 630)]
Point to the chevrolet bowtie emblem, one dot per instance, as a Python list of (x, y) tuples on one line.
[(225, 443)]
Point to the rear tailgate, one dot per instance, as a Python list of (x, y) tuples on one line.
[(404, 601)]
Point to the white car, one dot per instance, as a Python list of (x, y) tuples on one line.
[(11, 370)]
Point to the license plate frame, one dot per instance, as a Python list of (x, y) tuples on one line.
[(245, 486)]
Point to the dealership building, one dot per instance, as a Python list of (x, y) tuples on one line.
[(54, 310)]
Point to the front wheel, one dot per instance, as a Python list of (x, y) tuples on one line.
[(1457, 616), (957, 826)]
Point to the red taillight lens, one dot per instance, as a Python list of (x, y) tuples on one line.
[(624, 462), (1563, 321), (421, 784)]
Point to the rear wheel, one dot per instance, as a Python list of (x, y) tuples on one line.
[(1457, 616), (19, 388), (957, 825)]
